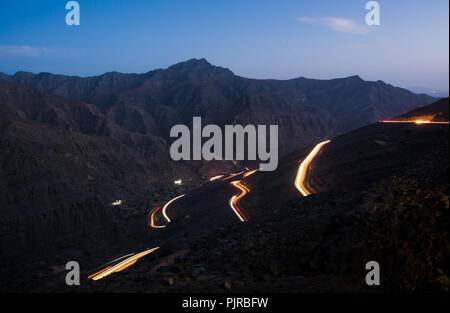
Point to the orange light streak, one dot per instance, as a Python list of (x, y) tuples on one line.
[(215, 178), (303, 169), (151, 222), (122, 265), (232, 175), (418, 122), (250, 173), (98, 272)]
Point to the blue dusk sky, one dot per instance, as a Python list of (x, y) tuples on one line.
[(279, 39)]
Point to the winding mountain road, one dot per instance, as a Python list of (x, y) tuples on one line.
[(130, 259)]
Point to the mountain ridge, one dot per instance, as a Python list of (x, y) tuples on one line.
[(151, 103)]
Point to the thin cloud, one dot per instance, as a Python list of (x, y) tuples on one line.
[(337, 24), (22, 51)]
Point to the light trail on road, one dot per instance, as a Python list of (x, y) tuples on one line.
[(234, 199), (95, 274), (166, 205), (250, 172), (232, 175), (151, 219), (122, 265), (115, 260), (215, 177), (151, 215), (418, 122), (303, 169)]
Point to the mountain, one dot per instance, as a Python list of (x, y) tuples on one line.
[(305, 109)]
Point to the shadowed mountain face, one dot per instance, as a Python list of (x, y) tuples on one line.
[(90, 144), (61, 164), (305, 109)]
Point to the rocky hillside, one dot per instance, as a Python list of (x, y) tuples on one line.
[(62, 163)]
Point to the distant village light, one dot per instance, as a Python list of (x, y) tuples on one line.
[(117, 202), (178, 182)]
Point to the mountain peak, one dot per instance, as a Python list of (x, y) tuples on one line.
[(200, 66), (355, 77), (192, 63)]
